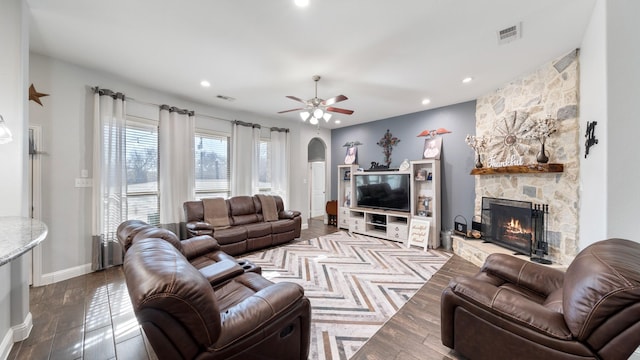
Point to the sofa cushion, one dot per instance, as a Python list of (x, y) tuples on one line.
[(242, 210), (603, 280), (127, 230), (158, 276), (258, 230), (230, 235), (159, 233)]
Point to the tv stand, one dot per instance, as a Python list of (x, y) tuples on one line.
[(384, 224)]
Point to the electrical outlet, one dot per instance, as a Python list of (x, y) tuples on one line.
[(84, 182)]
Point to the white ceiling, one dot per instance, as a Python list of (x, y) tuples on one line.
[(386, 56)]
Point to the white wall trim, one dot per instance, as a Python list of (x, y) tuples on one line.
[(16, 333), (6, 345), (22, 331), (304, 226), (65, 274)]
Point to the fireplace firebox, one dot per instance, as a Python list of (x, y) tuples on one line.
[(516, 225)]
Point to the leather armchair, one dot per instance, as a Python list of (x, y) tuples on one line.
[(184, 317), (515, 309)]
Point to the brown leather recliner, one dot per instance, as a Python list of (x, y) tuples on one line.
[(514, 309), (184, 317)]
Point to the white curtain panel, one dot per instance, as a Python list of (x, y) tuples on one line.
[(176, 163), (280, 150), (110, 177), (245, 143)]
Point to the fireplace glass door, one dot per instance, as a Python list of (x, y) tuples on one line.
[(508, 223)]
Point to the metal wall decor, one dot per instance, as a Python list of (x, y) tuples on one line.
[(387, 142), (590, 136), (506, 146)]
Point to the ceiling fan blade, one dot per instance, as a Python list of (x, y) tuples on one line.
[(338, 110), (290, 110), (334, 100), (296, 99)]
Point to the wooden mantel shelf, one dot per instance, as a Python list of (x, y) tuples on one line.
[(520, 169)]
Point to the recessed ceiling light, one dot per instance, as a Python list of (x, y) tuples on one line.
[(205, 83), (302, 3), (337, 121), (426, 101), (467, 80)]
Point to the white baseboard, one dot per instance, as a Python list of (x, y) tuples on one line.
[(65, 274), (22, 331), (16, 333), (6, 345), (304, 226)]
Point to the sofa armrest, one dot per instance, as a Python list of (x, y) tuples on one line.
[(199, 225), (198, 246), (288, 214), (538, 278), (257, 310), (511, 306), (221, 271)]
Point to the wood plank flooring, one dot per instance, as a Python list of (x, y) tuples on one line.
[(90, 317)]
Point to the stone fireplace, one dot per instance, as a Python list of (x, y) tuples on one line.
[(550, 91)]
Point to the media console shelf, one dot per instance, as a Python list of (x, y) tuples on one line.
[(385, 224)]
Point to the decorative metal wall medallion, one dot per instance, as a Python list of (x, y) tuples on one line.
[(506, 145)]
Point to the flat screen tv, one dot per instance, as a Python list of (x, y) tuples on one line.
[(388, 191)]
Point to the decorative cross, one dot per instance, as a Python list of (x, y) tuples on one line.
[(387, 142)]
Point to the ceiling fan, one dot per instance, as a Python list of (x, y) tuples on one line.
[(316, 108)]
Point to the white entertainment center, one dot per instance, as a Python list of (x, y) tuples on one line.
[(424, 203)]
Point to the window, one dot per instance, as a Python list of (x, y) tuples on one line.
[(264, 166), (142, 172), (212, 171)]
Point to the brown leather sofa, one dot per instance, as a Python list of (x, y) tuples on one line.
[(185, 315), (514, 309), (247, 229)]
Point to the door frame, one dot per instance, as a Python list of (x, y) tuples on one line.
[(35, 198)]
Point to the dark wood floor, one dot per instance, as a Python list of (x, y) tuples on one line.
[(90, 317)]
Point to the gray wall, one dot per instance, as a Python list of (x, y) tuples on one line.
[(456, 160)]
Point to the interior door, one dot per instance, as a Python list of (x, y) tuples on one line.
[(317, 188)]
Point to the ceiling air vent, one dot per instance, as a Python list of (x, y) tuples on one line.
[(224, 97), (510, 34)]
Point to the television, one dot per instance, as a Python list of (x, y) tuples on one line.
[(387, 191)]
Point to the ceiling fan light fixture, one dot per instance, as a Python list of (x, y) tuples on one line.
[(304, 115), (314, 121), (326, 117), (318, 113)]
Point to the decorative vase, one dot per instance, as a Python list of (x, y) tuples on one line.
[(478, 162), (542, 156)]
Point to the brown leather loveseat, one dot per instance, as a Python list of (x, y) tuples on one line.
[(514, 309), (243, 223), (187, 315)]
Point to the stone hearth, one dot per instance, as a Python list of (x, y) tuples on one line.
[(476, 251)]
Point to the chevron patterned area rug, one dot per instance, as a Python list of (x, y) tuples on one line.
[(355, 284)]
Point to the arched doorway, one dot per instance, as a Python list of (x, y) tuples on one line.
[(317, 152)]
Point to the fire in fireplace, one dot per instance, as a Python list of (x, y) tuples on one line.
[(515, 225)]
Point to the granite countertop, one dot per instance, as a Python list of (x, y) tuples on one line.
[(19, 235)]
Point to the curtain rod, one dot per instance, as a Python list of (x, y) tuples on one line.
[(128, 98)]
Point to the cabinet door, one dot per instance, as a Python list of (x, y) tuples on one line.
[(343, 218), (397, 232)]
